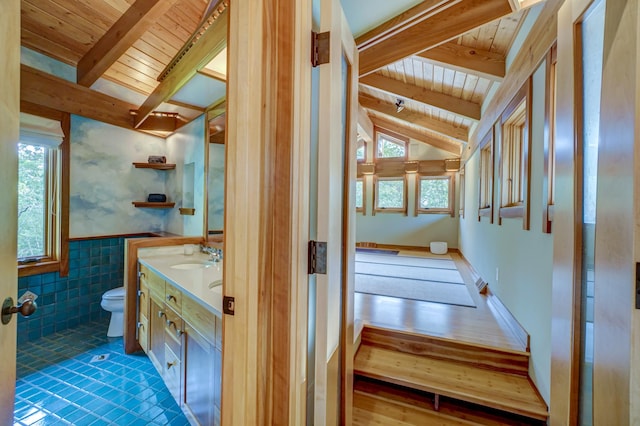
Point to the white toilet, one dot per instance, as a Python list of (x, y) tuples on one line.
[(113, 301)]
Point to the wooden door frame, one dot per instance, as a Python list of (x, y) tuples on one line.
[(266, 212), (9, 123)]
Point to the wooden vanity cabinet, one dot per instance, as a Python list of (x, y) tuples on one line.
[(183, 339)]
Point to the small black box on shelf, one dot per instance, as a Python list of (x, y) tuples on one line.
[(157, 198)]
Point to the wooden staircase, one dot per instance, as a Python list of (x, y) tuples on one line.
[(416, 379)]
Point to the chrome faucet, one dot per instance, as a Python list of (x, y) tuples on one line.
[(215, 254)]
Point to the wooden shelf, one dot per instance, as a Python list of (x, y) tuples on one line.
[(157, 166), (146, 204)]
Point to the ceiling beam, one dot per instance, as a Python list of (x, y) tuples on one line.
[(438, 28), (116, 41), (470, 60), (46, 90), (204, 50), (365, 126), (437, 126), (412, 16), (449, 146), (425, 96)]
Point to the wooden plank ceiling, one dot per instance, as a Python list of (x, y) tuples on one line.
[(440, 57), (128, 42), (443, 79)]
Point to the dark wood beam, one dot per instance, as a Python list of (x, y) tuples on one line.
[(436, 126), (449, 146), (470, 60), (114, 43), (207, 46), (433, 31), (46, 90), (425, 96)]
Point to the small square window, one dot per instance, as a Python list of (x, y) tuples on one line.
[(390, 194), (434, 194)]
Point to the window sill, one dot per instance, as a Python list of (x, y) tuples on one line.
[(434, 211), (41, 267), (403, 211), (511, 212), (484, 212)]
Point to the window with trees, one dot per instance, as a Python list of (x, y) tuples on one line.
[(485, 202), (390, 195), (360, 195), (41, 232), (434, 194), (390, 145), (514, 157), (361, 151)]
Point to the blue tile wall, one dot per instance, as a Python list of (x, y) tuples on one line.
[(95, 266)]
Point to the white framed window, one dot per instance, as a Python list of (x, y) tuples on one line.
[(434, 194), (391, 194)]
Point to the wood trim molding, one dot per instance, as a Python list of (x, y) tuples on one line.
[(65, 174), (488, 139), (436, 29), (116, 41), (548, 176)]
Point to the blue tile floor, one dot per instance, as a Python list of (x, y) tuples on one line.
[(81, 377)]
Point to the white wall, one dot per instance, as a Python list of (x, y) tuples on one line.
[(187, 145), (103, 182), (410, 230), (523, 258)]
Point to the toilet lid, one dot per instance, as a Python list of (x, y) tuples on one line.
[(116, 293)]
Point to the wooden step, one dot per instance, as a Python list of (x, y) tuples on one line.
[(385, 403), (512, 393), (506, 360)]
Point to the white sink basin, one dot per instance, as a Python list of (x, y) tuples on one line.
[(215, 284), (191, 265)]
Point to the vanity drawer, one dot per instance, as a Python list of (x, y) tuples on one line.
[(154, 283), (173, 297), (173, 330), (200, 318)]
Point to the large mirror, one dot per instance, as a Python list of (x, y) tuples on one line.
[(216, 171)]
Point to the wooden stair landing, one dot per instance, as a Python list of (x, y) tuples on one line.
[(504, 391)]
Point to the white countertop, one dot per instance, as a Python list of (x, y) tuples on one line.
[(193, 282)]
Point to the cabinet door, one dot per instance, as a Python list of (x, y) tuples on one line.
[(200, 376), (156, 333)]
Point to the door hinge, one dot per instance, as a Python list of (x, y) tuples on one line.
[(317, 257), (229, 305), (320, 48)]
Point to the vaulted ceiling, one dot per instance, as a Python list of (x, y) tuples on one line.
[(138, 62), (441, 59)]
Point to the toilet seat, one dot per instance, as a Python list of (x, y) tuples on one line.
[(114, 294)]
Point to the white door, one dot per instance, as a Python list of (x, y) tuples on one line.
[(9, 131), (333, 310)]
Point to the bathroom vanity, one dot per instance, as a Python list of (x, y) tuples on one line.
[(180, 329)]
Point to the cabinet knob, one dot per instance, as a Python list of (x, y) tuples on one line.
[(169, 323), (140, 293), (171, 296), (139, 325), (179, 333), (160, 314), (170, 364)]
